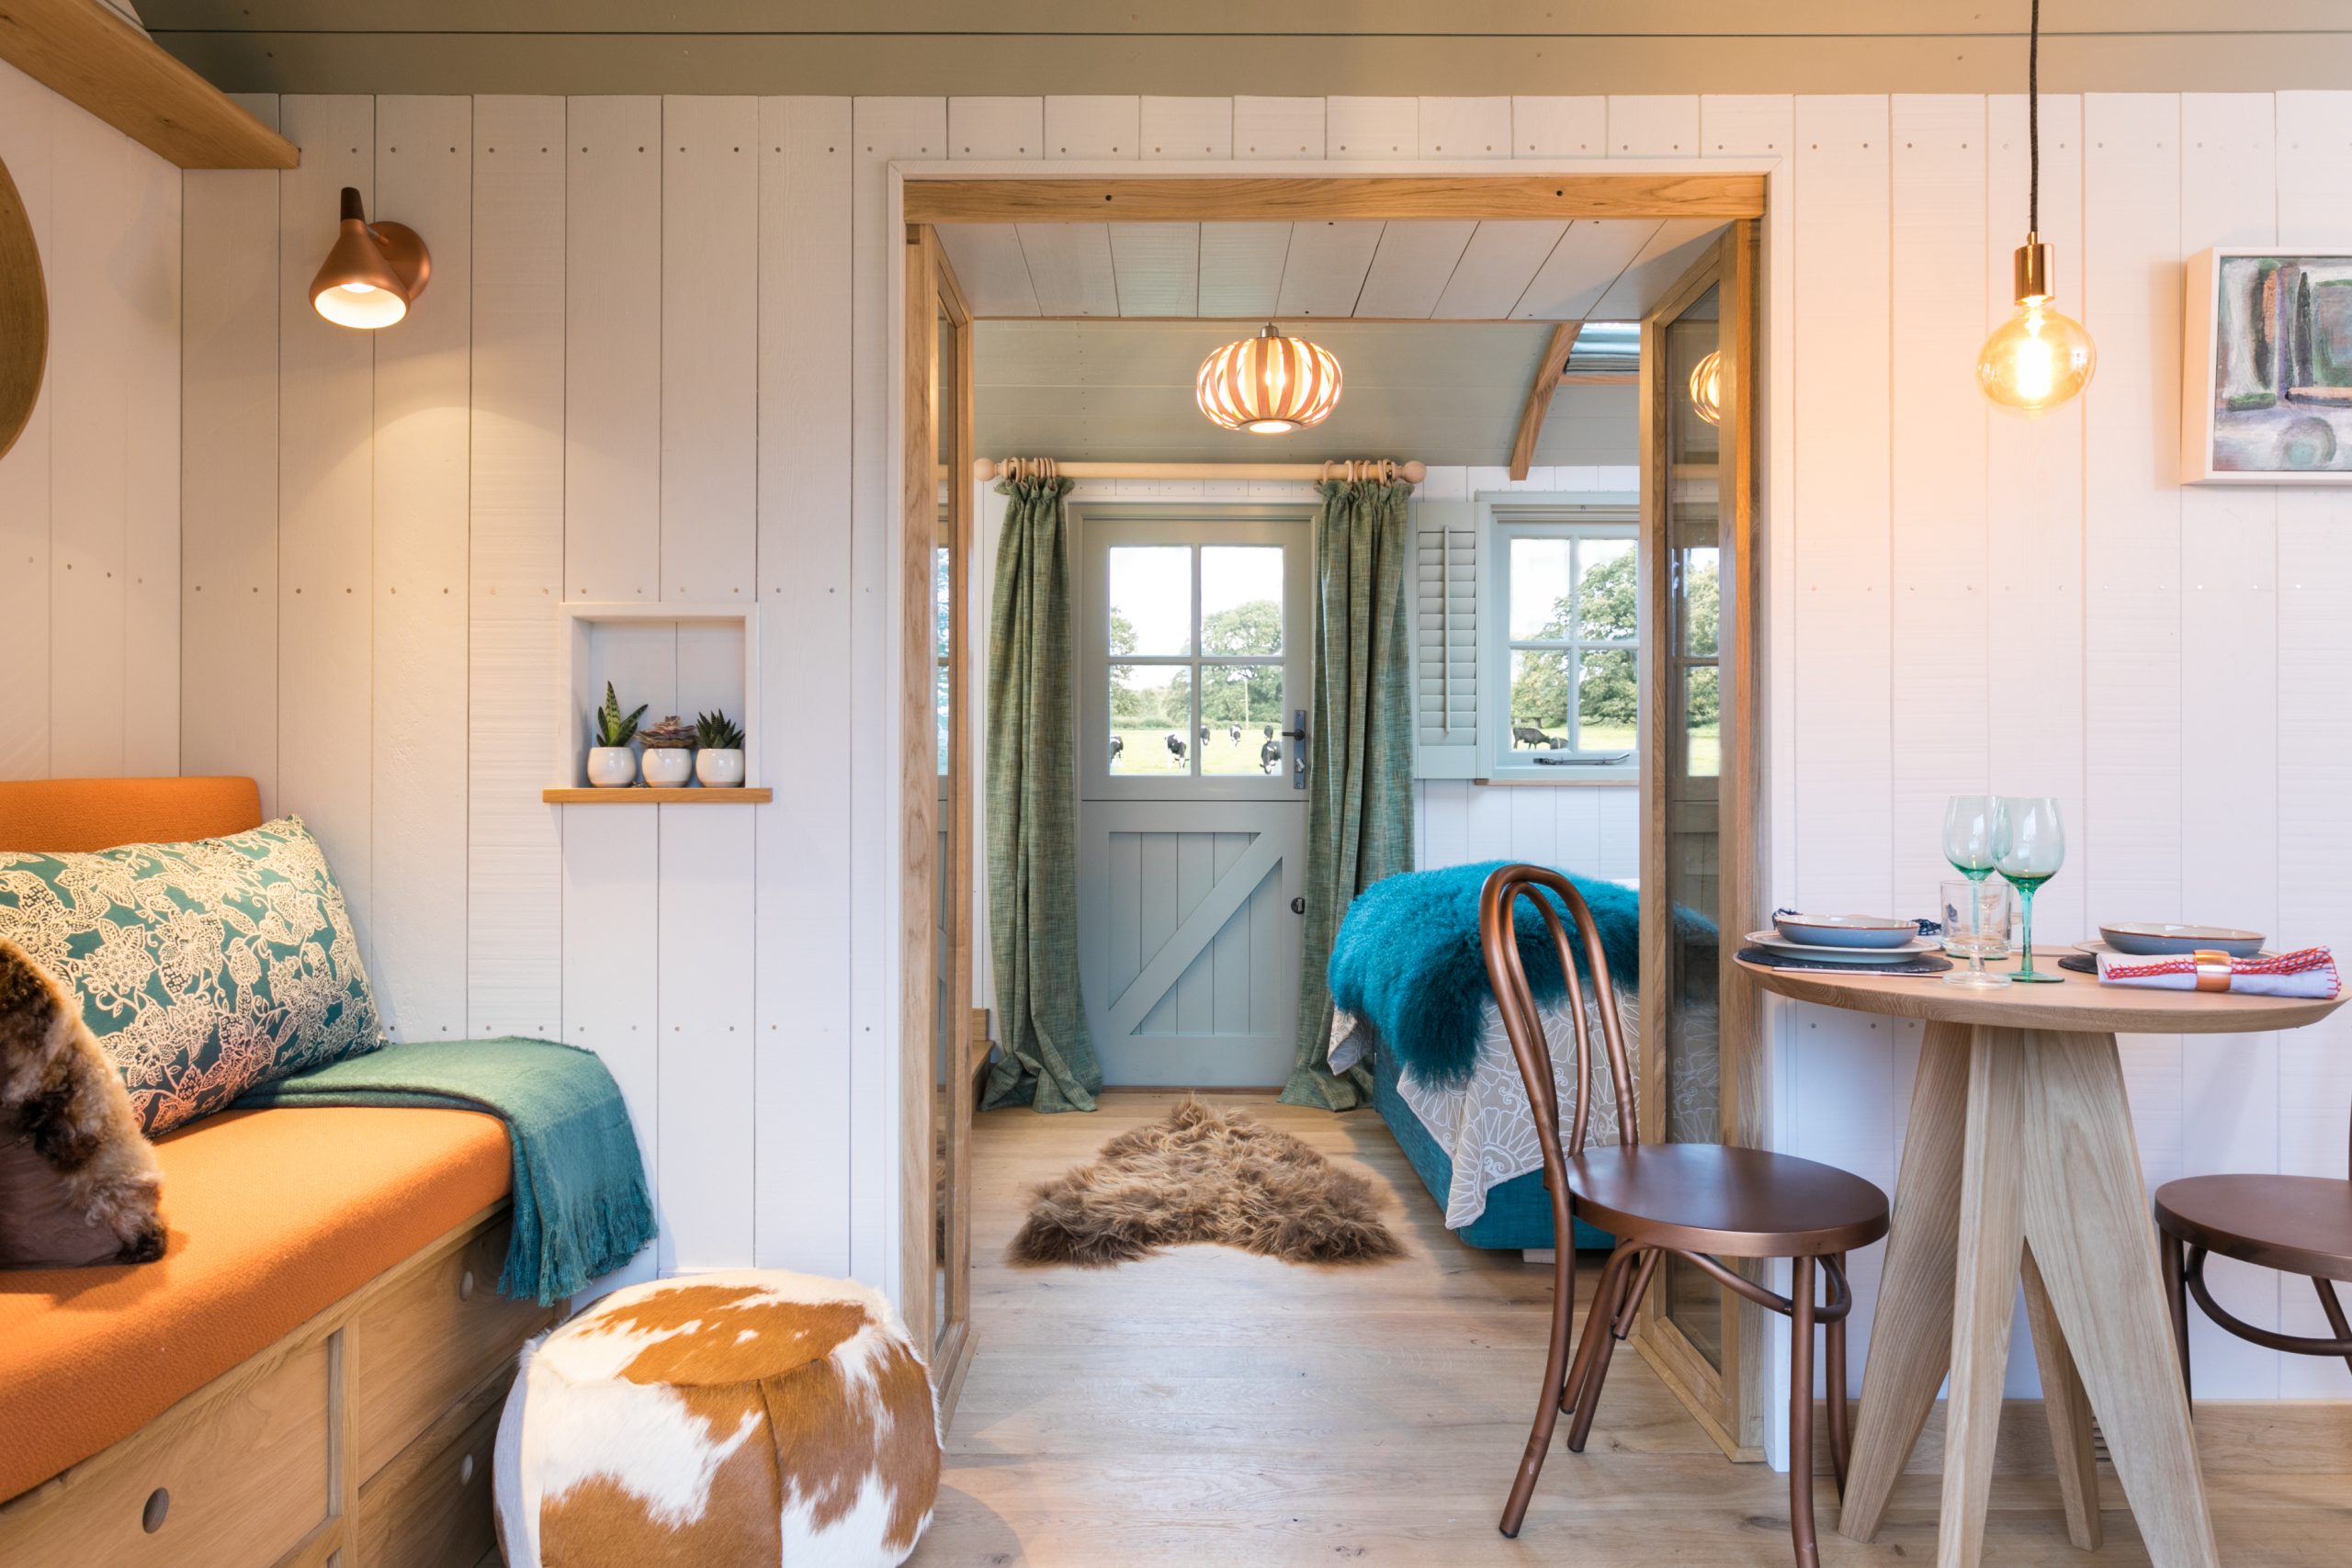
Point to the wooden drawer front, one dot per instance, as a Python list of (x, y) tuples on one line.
[(244, 1474), (433, 1508), (421, 1343)]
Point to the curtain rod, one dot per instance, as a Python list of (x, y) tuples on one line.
[(987, 468)]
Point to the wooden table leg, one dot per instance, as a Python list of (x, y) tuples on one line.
[(1911, 1330), (1992, 1241), (2069, 1411), (2085, 1210)]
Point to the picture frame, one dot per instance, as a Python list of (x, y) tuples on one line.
[(2266, 367)]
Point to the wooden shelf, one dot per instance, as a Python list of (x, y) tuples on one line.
[(639, 794), (93, 57)]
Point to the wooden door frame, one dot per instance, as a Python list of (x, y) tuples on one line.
[(1745, 192), (1732, 1403), (930, 290)]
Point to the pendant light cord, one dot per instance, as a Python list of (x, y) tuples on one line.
[(2033, 124)]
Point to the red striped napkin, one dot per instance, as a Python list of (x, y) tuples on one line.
[(2306, 972)]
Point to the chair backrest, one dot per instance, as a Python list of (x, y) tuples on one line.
[(75, 815), (1498, 938)]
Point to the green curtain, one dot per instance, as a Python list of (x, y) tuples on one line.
[(1360, 788), (1048, 1061)]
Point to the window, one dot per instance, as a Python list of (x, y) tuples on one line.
[(1567, 597), (1195, 646)]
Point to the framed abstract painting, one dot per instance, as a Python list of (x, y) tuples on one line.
[(2266, 368)]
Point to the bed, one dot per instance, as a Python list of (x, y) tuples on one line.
[(1473, 1144)]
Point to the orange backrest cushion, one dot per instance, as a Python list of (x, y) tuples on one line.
[(76, 815)]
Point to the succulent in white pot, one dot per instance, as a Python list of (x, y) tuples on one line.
[(669, 759), (719, 763), (611, 763)]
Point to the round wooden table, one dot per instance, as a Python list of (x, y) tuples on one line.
[(2020, 1163)]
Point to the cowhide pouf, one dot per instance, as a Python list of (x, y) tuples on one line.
[(742, 1418)]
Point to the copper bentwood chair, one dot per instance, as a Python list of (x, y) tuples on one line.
[(2297, 1224), (1695, 1202)]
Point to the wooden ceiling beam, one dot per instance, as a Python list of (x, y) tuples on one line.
[(1179, 199), (91, 56), (1548, 371)]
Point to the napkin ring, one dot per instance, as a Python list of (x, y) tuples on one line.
[(2212, 969)]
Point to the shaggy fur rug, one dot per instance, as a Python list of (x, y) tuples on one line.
[(1202, 1175)]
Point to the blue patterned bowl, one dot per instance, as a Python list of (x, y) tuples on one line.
[(1846, 930)]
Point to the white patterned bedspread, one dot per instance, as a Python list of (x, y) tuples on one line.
[(1485, 1126)]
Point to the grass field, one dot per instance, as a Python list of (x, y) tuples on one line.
[(1145, 751)]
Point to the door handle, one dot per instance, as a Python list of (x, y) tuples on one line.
[(1298, 733)]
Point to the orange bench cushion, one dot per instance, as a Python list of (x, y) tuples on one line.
[(61, 815), (274, 1216)]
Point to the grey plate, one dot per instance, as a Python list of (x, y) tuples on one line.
[(2155, 939), (1846, 931), (1773, 941)]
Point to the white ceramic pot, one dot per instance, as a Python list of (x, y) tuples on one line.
[(668, 767), (612, 767), (720, 767)]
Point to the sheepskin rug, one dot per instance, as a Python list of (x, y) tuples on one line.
[(1203, 1176)]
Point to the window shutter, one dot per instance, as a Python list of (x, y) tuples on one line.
[(1445, 641)]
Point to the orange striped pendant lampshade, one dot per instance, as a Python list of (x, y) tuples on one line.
[(1269, 384)]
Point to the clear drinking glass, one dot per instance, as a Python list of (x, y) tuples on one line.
[(2037, 849), (1976, 927)]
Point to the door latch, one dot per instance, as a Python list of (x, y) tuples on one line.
[(1298, 905), (1297, 735)]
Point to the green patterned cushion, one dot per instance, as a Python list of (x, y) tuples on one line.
[(204, 968)]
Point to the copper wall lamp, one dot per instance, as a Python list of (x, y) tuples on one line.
[(373, 274)]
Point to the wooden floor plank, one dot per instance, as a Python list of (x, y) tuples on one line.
[(1207, 1407)]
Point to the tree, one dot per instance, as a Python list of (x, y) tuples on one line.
[(1608, 606), (1252, 628)]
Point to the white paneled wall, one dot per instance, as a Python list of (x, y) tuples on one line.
[(674, 329), (90, 492)]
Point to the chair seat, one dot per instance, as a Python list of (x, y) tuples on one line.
[(2301, 1224), (1736, 1203)]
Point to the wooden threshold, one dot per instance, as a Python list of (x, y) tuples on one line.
[(1177, 199), (640, 794), (85, 52)]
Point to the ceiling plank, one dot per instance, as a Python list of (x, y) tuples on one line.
[(1158, 267), (1325, 271), (1539, 396), (1588, 258), (1495, 271), (1669, 254), (1242, 267), (1410, 270), (91, 56), (1305, 199), (1070, 265), (989, 264)]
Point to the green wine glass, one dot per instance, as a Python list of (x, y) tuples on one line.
[(2037, 848)]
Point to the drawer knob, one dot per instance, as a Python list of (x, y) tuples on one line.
[(465, 1470), (466, 1286), (158, 1509)]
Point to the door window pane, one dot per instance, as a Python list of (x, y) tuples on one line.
[(1151, 599), (1152, 729), (1241, 719), (1241, 599), (1539, 700), (1702, 721), (1541, 575)]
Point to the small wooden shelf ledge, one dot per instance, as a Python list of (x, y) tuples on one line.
[(93, 57), (638, 794)]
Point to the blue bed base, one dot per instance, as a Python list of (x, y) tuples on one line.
[(1518, 1213)]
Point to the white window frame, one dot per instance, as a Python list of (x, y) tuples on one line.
[(1502, 519)]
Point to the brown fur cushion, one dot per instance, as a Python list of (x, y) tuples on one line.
[(78, 1184), (1202, 1175)]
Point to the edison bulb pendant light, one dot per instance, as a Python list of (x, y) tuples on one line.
[(1268, 385), (2038, 357)]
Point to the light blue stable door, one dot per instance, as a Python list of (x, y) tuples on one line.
[(1193, 665)]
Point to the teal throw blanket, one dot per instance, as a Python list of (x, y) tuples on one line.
[(581, 1209), (1406, 959)]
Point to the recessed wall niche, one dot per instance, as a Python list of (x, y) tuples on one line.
[(675, 659)]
